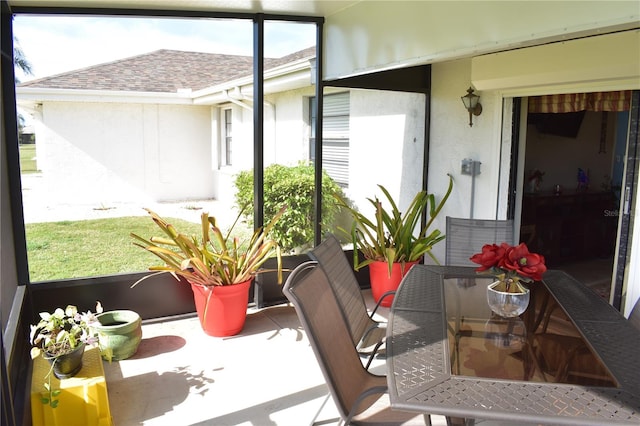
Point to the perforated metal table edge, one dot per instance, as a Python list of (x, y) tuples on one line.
[(419, 374)]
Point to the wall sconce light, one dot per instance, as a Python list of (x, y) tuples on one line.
[(470, 101)]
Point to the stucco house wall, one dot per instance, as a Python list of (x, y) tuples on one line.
[(288, 130), (386, 145), (452, 140), (117, 162)]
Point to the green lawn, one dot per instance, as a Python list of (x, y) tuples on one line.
[(28, 158), (58, 250)]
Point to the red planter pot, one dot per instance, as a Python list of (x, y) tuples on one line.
[(222, 310), (381, 282)]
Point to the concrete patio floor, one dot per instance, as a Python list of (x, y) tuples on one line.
[(266, 375)]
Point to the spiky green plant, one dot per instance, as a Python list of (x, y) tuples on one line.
[(389, 236), (213, 258)]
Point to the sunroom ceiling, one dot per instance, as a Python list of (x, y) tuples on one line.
[(286, 7)]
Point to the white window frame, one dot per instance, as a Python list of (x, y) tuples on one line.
[(226, 137)]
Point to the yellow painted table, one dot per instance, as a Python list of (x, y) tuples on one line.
[(83, 400)]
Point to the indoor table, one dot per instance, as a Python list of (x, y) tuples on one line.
[(570, 358)]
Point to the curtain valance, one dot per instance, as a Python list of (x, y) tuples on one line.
[(573, 102)]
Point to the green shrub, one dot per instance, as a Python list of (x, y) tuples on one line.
[(292, 186)]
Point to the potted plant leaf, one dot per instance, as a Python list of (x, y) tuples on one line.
[(219, 266), (61, 337), (392, 241)]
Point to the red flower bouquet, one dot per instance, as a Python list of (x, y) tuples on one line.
[(510, 265)]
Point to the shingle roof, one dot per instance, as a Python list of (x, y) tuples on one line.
[(162, 71)]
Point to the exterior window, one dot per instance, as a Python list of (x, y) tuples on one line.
[(313, 115), (174, 157), (227, 138), (335, 131)]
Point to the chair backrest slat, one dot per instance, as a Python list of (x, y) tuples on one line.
[(336, 266), (465, 237)]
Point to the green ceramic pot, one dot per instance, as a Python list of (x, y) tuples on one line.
[(119, 334)]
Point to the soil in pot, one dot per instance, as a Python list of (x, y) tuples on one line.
[(67, 365)]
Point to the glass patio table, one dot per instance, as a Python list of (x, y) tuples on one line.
[(570, 358)]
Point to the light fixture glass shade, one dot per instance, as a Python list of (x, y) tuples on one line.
[(470, 100)]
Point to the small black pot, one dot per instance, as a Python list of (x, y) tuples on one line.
[(67, 365)]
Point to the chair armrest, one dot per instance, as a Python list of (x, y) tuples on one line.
[(374, 353), (371, 391), (384, 296)]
